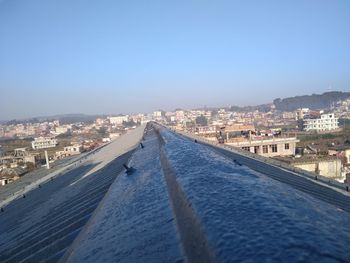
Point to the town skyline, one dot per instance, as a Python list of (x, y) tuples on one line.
[(165, 108)]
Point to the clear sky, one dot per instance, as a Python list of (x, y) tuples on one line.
[(83, 56)]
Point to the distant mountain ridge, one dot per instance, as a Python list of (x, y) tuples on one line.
[(63, 118), (314, 101), (261, 108)]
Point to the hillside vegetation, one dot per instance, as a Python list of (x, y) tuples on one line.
[(314, 101)]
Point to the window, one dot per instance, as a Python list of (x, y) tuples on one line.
[(265, 149), (286, 146), (246, 148), (273, 148), (256, 149)]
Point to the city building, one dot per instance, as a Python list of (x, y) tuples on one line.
[(326, 122), (158, 115), (44, 142), (69, 151), (100, 121), (268, 146), (9, 175), (268, 143), (62, 129), (107, 139), (21, 154), (117, 120), (74, 149), (301, 113)]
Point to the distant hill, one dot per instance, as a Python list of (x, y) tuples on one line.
[(71, 118), (64, 119), (314, 101), (261, 108)]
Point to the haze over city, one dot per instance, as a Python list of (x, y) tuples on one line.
[(99, 57)]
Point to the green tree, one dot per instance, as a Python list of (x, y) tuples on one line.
[(102, 131), (201, 121)]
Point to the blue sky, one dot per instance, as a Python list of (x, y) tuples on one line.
[(83, 56)]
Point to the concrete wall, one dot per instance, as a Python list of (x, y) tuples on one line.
[(311, 167), (327, 168), (347, 155)]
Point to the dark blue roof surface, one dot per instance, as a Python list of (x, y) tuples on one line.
[(221, 211), (43, 224)]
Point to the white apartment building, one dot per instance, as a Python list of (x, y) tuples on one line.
[(267, 146), (62, 129), (180, 115), (157, 114), (44, 142), (326, 122), (300, 113), (118, 119)]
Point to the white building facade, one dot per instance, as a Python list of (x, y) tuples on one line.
[(268, 147), (44, 142), (326, 122), (118, 119)]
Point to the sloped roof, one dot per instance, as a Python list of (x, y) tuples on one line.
[(12, 172)]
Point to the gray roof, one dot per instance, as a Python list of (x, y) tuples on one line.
[(11, 172)]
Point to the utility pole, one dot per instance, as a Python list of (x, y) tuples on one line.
[(47, 160)]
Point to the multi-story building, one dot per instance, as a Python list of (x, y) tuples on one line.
[(100, 121), (326, 122), (62, 129), (179, 115), (300, 113), (158, 114), (268, 146), (44, 142), (246, 137), (69, 151), (118, 119)]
